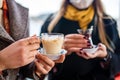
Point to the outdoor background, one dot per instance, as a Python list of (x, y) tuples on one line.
[(40, 9)]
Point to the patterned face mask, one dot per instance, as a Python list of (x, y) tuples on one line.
[(81, 4)]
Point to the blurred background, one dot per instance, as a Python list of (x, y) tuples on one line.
[(40, 9)]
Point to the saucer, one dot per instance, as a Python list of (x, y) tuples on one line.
[(91, 50), (54, 56)]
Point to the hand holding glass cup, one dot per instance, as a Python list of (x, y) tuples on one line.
[(87, 33), (52, 45)]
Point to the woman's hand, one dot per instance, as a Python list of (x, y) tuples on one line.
[(45, 64), (20, 53), (101, 53), (74, 42), (61, 59)]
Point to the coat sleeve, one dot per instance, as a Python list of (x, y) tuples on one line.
[(113, 34)]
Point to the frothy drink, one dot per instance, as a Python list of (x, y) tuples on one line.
[(52, 43)]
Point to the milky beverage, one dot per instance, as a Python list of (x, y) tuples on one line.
[(52, 43)]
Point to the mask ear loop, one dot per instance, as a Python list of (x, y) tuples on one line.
[(95, 21)]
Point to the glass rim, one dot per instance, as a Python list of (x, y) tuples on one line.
[(52, 34)]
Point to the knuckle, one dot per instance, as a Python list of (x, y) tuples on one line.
[(38, 45), (67, 35), (75, 35), (22, 54), (22, 50), (52, 64), (48, 68), (45, 72), (21, 43), (65, 41)]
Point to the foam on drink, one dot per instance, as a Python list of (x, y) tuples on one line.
[(52, 44)]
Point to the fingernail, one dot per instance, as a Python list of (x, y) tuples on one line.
[(88, 41), (80, 52), (81, 49), (88, 44), (85, 37), (99, 45), (85, 54)]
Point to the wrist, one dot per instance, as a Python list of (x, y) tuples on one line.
[(107, 57), (1, 63)]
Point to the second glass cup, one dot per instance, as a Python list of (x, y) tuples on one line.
[(87, 34)]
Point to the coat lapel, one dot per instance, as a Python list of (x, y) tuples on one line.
[(18, 17), (4, 35)]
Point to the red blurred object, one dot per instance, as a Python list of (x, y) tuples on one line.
[(117, 77)]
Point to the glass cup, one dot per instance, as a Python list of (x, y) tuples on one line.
[(52, 42), (93, 48), (87, 34)]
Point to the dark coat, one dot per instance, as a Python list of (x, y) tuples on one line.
[(75, 67), (19, 28)]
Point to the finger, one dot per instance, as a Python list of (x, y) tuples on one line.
[(84, 55), (34, 35), (91, 56), (68, 52), (28, 60), (74, 49), (45, 65), (40, 68), (61, 59), (34, 46), (102, 46), (32, 40), (75, 36), (29, 40), (79, 54), (76, 41), (67, 46), (45, 59)]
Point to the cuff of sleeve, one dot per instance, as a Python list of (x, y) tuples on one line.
[(105, 61), (108, 57)]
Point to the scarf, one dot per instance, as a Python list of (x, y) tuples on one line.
[(84, 17)]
